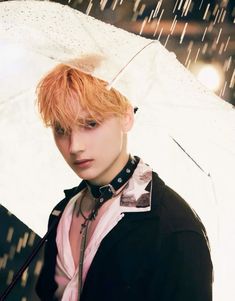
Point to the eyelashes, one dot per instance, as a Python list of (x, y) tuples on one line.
[(90, 124), (59, 130), (85, 125)]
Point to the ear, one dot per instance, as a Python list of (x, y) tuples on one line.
[(128, 120)]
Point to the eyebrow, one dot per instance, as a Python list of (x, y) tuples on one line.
[(80, 121)]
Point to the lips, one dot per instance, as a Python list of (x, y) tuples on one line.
[(83, 163)]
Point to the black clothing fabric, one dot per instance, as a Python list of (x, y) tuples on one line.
[(160, 255)]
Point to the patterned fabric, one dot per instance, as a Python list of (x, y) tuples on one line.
[(133, 199)]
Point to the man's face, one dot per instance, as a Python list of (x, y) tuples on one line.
[(95, 152)]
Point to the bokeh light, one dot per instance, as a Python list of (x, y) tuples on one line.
[(209, 74)]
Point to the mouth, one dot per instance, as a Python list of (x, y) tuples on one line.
[(83, 163)]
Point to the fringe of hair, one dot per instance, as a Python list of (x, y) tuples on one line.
[(65, 95)]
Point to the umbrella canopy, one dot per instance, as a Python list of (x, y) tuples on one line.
[(183, 130)]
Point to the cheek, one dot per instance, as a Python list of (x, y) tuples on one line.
[(62, 146), (109, 144)]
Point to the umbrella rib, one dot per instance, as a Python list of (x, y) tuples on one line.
[(208, 174), (110, 84)]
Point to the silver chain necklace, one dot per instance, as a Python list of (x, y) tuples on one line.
[(83, 232)]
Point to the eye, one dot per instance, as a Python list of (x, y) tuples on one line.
[(59, 130), (90, 124)]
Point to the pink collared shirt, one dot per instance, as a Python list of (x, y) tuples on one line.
[(131, 200)]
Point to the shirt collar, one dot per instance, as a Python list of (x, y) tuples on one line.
[(137, 195)]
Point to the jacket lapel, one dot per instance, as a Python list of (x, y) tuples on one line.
[(129, 223)]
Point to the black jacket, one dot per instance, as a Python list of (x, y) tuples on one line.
[(161, 255)]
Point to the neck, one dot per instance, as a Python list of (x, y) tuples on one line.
[(106, 192), (86, 204), (109, 174), (120, 178)]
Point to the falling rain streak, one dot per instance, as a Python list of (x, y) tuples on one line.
[(103, 4), (158, 22), (88, 10), (137, 2), (200, 6), (232, 82), (114, 4), (143, 25), (221, 48), (183, 33), (142, 8), (151, 16), (160, 33), (223, 90), (206, 12), (197, 54), (176, 3), (216, 17), (226, 45), (157, 9), (218, 37), (186, 7)]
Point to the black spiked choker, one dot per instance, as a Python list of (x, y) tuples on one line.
[(103, 193)]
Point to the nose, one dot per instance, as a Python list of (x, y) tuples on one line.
[(77, 142)]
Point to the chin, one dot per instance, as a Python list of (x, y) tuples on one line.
[(86, 175), (94, 179)]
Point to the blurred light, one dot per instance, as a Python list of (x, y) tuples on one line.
[(210, 75)]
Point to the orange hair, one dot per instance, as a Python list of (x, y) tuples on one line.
[(65, 92)]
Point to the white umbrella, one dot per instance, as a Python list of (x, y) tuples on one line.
[(183, 130)]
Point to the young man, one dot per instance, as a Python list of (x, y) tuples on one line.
[(122, 234)]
